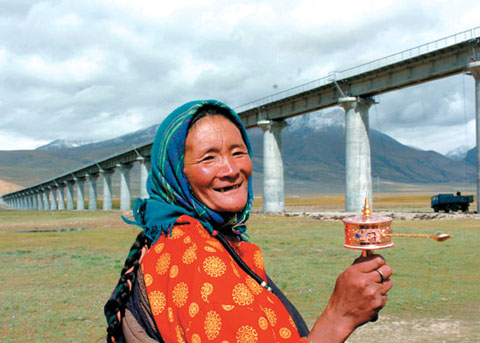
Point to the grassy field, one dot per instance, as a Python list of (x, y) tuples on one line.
[(54, 284), (404, 202)]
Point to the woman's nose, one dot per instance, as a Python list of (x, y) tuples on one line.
[(229, 167)]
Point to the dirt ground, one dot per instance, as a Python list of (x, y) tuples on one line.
[(391, 329), (394, 215)]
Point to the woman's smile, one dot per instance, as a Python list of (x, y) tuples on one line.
[(217, 164), (227, 188)]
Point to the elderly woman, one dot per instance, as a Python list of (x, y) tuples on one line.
[(191, 276)]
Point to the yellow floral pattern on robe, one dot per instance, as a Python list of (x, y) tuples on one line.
[(199, 294)]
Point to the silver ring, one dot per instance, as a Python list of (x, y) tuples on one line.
[(382, 277)]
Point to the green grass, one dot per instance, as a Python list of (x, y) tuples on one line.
[(305, 256), (54, 284)]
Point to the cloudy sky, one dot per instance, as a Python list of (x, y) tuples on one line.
[(96, 69)]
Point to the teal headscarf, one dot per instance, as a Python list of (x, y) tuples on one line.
[(169, 191)]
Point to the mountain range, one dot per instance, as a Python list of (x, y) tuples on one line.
[(62, 144), (313, 153)]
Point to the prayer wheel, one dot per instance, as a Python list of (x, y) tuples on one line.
[(368, 232)]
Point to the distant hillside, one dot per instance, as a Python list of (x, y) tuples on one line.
[(27, 167), (314, 158), (6, 187), (471, 157)]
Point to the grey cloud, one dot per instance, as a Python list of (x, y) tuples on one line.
[(15, 9), (108, 70), (429, 104)]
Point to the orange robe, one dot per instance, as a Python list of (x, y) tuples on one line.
[(198, 293)]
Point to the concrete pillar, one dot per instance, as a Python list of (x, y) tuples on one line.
[(70, 184), (475, 70), (61, 196), (358, 170), (273, 183), (46, 204), (24, 201), (53, 192), (34, 201), (144, 169), (107, 189), (40, 199), (80, 181), (125, 185), (92, 192)]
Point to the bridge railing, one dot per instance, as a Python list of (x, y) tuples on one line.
[(363, 68)]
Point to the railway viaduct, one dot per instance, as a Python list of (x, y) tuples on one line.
[(352, 89)]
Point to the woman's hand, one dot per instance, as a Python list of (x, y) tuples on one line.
[(360, 292)]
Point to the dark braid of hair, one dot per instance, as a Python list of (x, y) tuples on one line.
[(115, 306)]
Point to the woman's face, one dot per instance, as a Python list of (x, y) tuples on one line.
[(217, 164)]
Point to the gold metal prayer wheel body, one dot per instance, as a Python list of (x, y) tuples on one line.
[(368, 232)]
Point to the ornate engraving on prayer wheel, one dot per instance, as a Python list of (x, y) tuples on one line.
[(368, 232)]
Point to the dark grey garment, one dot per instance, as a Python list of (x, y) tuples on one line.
[(140, 321), (133, 332)]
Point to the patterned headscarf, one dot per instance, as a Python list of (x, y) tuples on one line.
[(170, 193)]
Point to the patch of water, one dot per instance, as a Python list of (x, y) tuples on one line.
[(70, 229)]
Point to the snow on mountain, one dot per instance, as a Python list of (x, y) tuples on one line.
[(459, 153), (62, 144), (317, 121)]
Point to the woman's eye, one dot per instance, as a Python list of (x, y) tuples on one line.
[(207, 158), (239, 153)]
